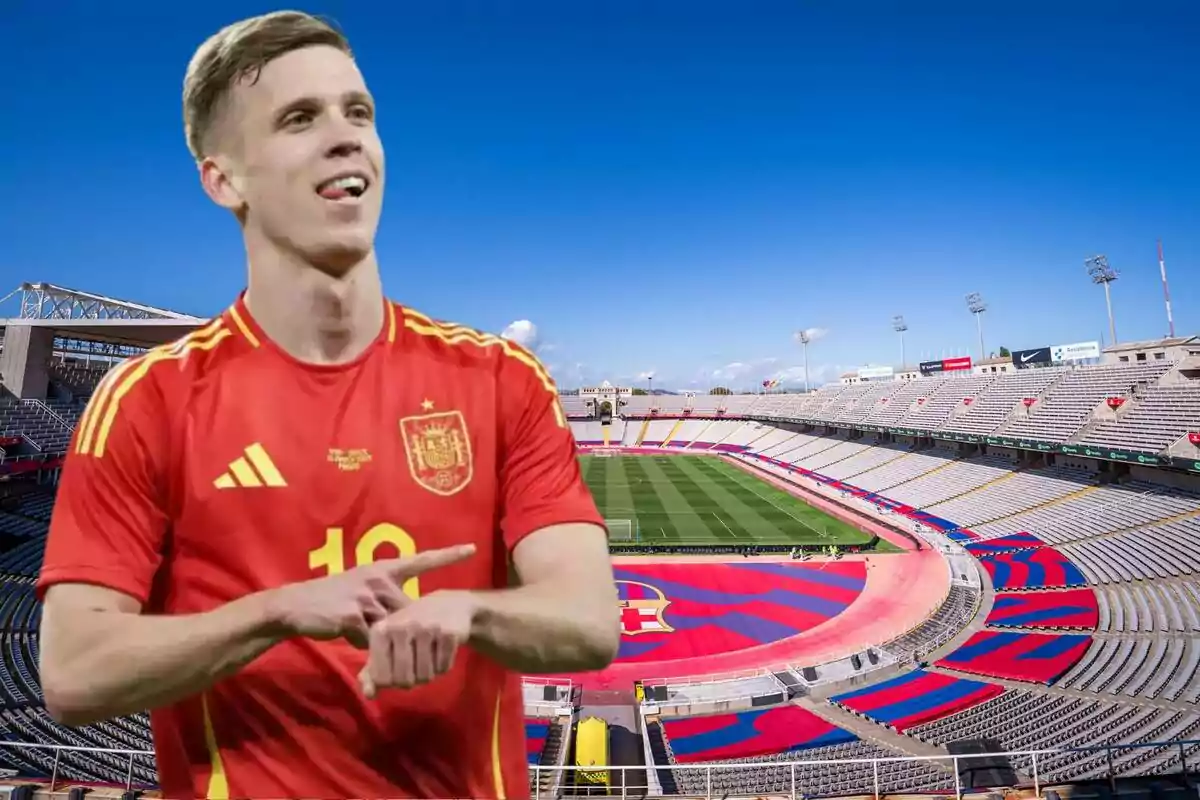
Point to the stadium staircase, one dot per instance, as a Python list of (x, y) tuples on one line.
[(869, 731), (551, 755), (642, 433), (1151, 524), (674, 430), (1084, 492), (899, 455), (1005, 477), (1019, 411), (625, 741), (1093, 421), (843, 458), (1056, 691), (883, 489), (767, 431), (1100, 537), (835, 443), (699, 437)]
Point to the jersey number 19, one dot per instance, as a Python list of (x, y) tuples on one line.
[(331, 556)]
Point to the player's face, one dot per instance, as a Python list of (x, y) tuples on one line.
[(309, 158)]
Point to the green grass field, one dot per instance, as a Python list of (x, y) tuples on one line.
[(683, 500)]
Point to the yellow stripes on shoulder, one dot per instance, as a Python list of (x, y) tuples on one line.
[(96, 423), (460, 334)]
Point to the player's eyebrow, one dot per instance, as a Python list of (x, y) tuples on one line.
[(358, 96), (313, 103)]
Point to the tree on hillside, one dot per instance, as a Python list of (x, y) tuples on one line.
[(638, 392), (719, 390)]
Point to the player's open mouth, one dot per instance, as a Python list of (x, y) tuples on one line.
[(347, 186)]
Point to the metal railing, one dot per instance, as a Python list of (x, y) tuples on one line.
[(795, 790), (563, 690), (49, 412)]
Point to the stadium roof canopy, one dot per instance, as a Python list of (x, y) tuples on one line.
[(1164, 342), (74, 314), (134, 333)]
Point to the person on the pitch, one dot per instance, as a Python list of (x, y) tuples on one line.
[(289, 534)]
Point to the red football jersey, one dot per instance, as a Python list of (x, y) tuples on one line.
[(218, 466)]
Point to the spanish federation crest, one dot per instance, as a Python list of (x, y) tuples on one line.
[(439, 451), (642, 607)]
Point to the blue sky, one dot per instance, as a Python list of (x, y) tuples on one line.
[(668, 186)]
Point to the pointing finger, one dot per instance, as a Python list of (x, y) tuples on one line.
[(366, 684), (405, 568)]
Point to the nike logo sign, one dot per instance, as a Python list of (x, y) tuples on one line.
[(1025, 358)]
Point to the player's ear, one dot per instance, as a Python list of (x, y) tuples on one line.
[(221, 184)]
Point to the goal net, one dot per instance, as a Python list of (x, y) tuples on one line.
[(621, 530)]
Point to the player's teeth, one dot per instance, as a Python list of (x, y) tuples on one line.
[(351, 184)]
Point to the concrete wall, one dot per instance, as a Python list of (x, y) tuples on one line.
[(27, 352)]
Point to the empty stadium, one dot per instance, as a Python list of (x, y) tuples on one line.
[(851, 591)]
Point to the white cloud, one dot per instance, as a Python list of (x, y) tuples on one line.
[(791, 375), (818, 375), (642, 376), (754, 371), (523, 332), (814, 334), (733, 371)]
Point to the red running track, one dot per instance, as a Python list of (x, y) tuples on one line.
[(900, 591)]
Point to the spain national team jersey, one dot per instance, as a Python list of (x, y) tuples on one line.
[(219, 466)]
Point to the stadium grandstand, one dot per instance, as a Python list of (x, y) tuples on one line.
[(941, 580)]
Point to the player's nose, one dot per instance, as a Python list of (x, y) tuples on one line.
[(343, 138), (344, 146)]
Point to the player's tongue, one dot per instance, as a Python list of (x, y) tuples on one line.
[(340, 188)]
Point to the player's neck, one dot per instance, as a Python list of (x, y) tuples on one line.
[(315, 317)]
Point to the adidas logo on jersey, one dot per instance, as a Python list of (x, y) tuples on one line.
[(251, 471)]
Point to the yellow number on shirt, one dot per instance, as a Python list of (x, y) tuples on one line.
[(331, 556)]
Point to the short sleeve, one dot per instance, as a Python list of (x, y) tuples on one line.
[(110, 519), (540, 480)]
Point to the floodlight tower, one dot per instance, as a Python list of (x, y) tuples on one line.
[(900, 326), (1102, 273), (804, 338), (976, 305)]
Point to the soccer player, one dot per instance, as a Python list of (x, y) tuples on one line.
[(290, 533)]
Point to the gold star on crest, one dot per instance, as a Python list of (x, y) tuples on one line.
[(427, 405)]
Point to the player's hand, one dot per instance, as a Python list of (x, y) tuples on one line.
[(347, 604), (416, 644)]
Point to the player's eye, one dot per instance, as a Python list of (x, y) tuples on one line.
[(297, 119), (361, 112)]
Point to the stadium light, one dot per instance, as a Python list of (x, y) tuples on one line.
[(976, 305), (1102, 273), (900, 326), (804, 338)]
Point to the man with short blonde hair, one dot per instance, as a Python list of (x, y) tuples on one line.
[(238, 52), (289, 533)]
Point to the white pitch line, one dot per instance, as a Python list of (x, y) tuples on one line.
[(718, 516), (779, 507)]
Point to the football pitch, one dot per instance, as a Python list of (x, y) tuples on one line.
[(686, 500)]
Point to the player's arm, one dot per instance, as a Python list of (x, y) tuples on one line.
[(563, 616), (99, 656)]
